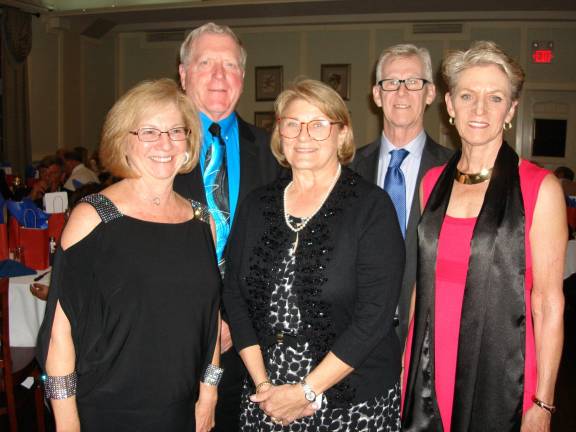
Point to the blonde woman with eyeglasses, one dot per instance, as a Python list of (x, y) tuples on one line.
[(130, 336)]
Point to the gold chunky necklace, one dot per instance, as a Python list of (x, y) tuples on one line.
[(473, 178)]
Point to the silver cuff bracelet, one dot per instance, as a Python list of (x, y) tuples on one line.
[(212, 375), (60, 387)]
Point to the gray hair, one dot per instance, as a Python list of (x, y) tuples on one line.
[(406, 50), (483, 53), (211, 28)]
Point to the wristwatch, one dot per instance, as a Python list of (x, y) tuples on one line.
[(309, 394)]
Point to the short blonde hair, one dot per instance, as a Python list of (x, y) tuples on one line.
[(326, 100), (210, 28), (482, 53), (143, 100)]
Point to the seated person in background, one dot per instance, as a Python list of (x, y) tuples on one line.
[(78, 174), (51, 169), (40, 290), (83, 152), (4, 188), (564, 173)]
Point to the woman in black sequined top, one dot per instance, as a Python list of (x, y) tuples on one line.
[(133, 311), (314, 272)]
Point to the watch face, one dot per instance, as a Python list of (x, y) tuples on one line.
[(310, 396)]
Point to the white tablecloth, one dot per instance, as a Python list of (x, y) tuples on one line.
[(26, 311)]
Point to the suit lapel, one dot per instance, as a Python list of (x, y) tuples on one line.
[(248, 160), (429, 160), (367, 165)]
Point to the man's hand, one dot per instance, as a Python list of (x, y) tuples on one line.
[(225, 338), (39, 290), (38, 190)]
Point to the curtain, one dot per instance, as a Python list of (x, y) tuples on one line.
[(16, 45)]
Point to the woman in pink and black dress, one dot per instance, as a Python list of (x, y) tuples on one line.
[(486, 338)]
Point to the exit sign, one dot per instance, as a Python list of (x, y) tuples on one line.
[(542, 52)]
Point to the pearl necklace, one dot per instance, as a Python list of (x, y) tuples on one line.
[(307, 219)]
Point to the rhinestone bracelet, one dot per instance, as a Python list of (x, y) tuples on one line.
[(60, 387), (212, 375)]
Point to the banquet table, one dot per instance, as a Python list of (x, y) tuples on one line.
[(26, 311)]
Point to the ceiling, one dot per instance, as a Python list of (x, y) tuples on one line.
[(175, 14)]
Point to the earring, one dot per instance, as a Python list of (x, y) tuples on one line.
[(507, 126), (186, 158), (451, 121)]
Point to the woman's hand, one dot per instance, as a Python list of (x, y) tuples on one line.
[(206, 408), (284, 403), (536, 419)]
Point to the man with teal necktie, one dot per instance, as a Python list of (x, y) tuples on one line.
[(235, 158)]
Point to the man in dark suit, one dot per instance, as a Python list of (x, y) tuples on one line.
[(400, 157), (235, 158)]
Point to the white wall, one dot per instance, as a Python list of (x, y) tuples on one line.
[(85, 75)]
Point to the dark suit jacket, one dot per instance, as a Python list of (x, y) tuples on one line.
[(257, 166), (366, 164), (347, 279)]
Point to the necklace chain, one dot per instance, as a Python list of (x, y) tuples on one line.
[(305, 220), (473, 178)]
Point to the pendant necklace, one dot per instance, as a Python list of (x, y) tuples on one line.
[(474, 178), (304, 221)]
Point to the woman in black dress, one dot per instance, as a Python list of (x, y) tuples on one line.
[(129, 340), (313, 277)]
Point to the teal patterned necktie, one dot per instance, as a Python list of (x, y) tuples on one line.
[(216, 184)]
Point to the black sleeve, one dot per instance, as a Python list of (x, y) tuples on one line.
[(213, 320), (379, 270), (243, 333), (71, 284)]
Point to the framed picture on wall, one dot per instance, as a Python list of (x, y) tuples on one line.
[(264, 120), (268, 81), (337, 76)]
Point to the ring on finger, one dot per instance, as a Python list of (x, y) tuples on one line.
[(276, 420)]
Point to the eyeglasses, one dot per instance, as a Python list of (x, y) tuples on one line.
[(412, 84), (318, 130), (148, 134)]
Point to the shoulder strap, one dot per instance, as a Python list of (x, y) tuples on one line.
[(104, 206), (201, 211)]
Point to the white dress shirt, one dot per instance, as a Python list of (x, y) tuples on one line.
[(81, 174), (410, 165)]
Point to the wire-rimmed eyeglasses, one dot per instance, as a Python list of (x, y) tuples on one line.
[(150, 134), (412, 84), (318, 130)]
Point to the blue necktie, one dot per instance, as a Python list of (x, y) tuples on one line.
[(216, 184), (395, 185)]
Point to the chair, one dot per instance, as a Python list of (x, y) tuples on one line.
[(15, 365)]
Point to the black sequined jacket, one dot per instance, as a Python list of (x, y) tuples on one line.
[(348, 273)]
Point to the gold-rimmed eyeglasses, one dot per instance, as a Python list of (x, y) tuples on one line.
[(149, 134), (412, 84), (318, 130)]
